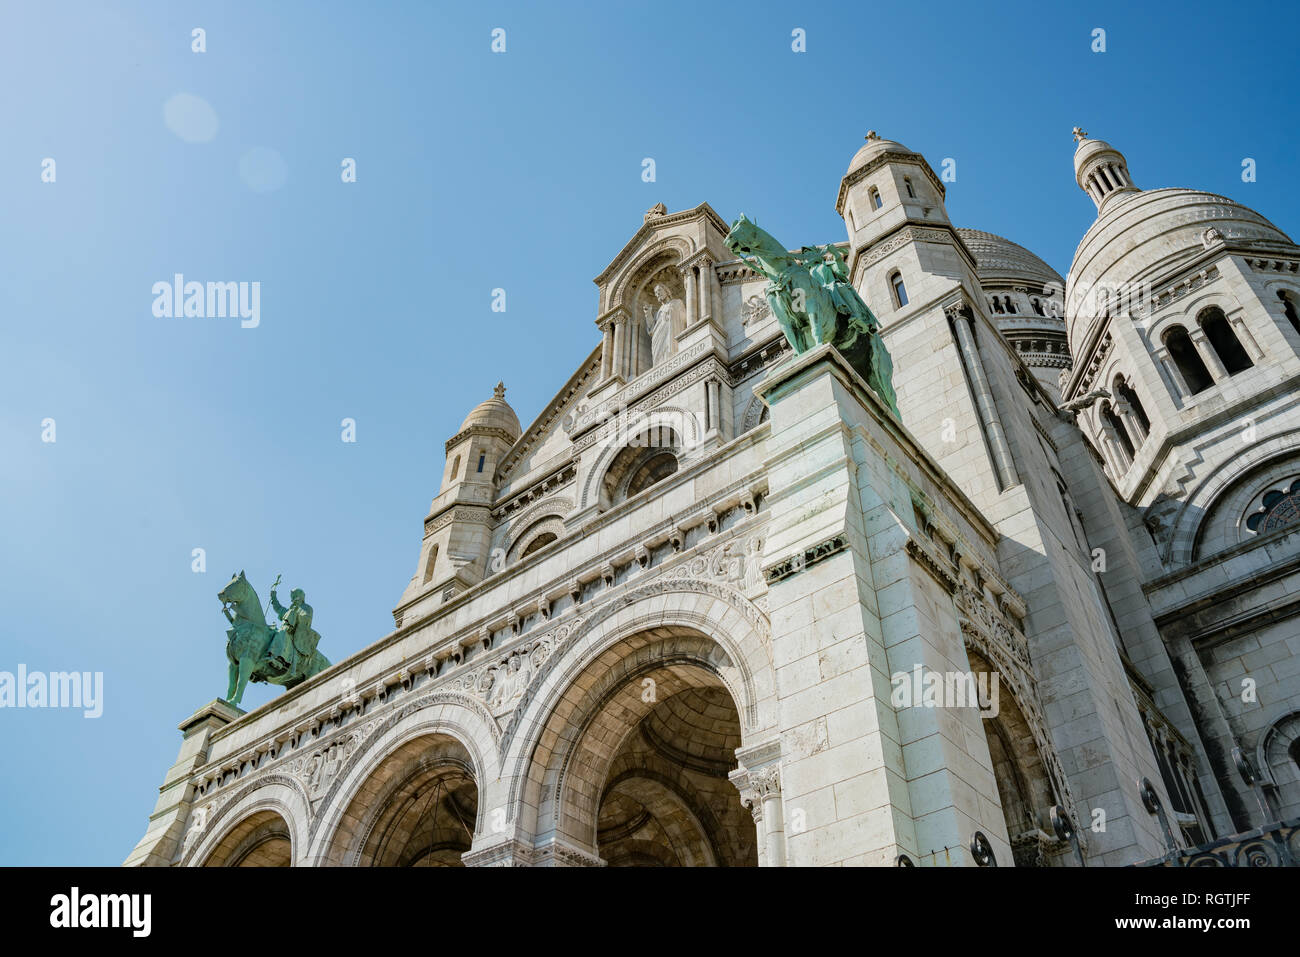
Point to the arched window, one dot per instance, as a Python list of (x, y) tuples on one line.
[(1224, 340), (1038, 307), (907, 183), (455, 468), (875, 198), (1118, 431), (430, 563), (997, 305), (1288, 307), (541, 541), (481, 459), (900, 291), (1011, 306), (658, 467), (1187, 359), (652, 457)]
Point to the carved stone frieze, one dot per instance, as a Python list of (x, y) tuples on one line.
[(805, 559)]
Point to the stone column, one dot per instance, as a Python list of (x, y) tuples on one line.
[(760, 791), (606, 350), (692, 299), (620, 337), (712, 388), (999, 451), (633, 347), (1208, 355), (1118, 459), (1238, 325), (768, 787), (1131, 423), (707, 280), (1171, 371), (850, 607)]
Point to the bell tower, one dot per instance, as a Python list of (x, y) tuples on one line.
[(457, 530)]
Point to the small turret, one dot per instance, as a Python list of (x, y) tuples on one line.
[(1100, 170), (885, 185), (457, 531)]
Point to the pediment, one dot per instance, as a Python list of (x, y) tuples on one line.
[(663, 239)]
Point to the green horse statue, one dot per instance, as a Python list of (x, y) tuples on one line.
[(811, 296), (260, 652)]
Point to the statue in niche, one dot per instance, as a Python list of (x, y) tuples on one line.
[(664, 323)]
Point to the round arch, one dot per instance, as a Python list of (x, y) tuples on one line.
[(247, 820), (460, 725), (681, 424), (1186, 524), (670, 251), (566, 733)]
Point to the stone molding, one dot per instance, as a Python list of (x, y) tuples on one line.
[(800, 561)]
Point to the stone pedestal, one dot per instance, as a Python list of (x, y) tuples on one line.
[(852, 603), (167, 823)]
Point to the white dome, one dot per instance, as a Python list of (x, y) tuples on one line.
[(871, 149), (999, 261), (1151, 232), (494, 413)]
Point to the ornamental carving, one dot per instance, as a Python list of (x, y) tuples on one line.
[(502, 683), (584, 417), (902, 238), (805, 559), (318, 770), (756, 309), (477, 515)]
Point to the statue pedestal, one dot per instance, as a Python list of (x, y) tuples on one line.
[(166, 828), (853, 604)]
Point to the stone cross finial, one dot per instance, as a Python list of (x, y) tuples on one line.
[(1079, 133), (658, 209), (500, 391)]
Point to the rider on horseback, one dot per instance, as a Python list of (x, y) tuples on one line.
[(295, 634)]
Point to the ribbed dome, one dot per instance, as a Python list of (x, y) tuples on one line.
[(999, 261), (494, 413), (871, 149), (1142, 235)]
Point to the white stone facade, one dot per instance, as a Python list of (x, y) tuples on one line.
[(668, 623)]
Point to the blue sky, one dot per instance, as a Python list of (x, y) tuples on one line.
[(475, 171)]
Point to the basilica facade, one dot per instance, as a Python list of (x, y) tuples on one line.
[(692, 613)]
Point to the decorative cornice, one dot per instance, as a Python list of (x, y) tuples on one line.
[(879, 160), (475, 514), (487, 430), (805, 559)]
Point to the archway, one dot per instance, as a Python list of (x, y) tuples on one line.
[(259, 840), (1024, 787), (418, 808), (633, 761)]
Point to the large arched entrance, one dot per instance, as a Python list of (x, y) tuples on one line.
[(418, 808), (259, 840), (1024, 786), (634, 758)]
